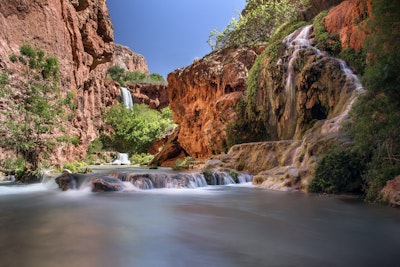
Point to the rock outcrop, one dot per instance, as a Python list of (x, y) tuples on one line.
[(348, 20), (125, 58), (153, 95), (391, 192), (203, 98)]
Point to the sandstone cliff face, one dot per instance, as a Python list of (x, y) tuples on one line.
[(125, 58), (153, 95), (80, 34), (203, 97), (349, 21)]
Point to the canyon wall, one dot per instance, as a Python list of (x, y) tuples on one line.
[(80, 34), (203, 97), (348, 20)]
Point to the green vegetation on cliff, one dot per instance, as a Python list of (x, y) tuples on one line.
[(124, 77), (257, 23), (35, 106), (376, 130)]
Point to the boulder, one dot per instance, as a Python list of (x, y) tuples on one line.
[(106, 184), (67, 181), (391, 192)]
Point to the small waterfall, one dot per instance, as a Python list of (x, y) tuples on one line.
[(221, 178), (297, 42), (126, 98), (122, 159), (245, 178)]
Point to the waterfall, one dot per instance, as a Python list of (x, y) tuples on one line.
[(297, 43), (126, 98), (122, 159)]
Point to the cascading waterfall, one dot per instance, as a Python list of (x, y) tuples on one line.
[(126, 98), (296, 43), (122, 159)]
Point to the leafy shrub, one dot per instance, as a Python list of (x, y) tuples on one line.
[(182, 163), (38, 112), (96, 146), (134, 130), (124, 78), (326, 41), (356, 59), (75, 166), (338, 171), (256, 24), (141, 159)]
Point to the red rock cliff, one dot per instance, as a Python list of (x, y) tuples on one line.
[(80, 34), (348, 19), (203, 97)]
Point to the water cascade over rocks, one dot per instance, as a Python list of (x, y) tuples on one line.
[(306, 97), (125, 180), (122, 159), (126, 98)]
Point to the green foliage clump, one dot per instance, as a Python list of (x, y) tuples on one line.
[(355, 59), (69, 139), (96, 146), (13, 164), (134, 130), (75, 166), (376, 115), (326, 41), (338, 171), (124, 78), (38, 111), (181, 164), (141, 158), (257, 24)]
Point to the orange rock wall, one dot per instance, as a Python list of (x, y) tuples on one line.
[(348, 19)]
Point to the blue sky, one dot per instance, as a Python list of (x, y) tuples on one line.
[(170, 34)]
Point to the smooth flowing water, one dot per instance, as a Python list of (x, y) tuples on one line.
[(218, 226)]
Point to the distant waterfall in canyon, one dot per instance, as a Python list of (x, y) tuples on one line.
[(126, 97)]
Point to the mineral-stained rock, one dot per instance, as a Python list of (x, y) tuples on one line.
[(171, 150), (125, 58), (281, 178), (153, 95), (348, 19), (106, 184), (391, 192), (203, 97)]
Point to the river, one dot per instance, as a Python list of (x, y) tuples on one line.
[(222, 226)]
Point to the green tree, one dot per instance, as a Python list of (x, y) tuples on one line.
[(257, 23), (376, 128), (134, 130), (124, 78), (35, 106)]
